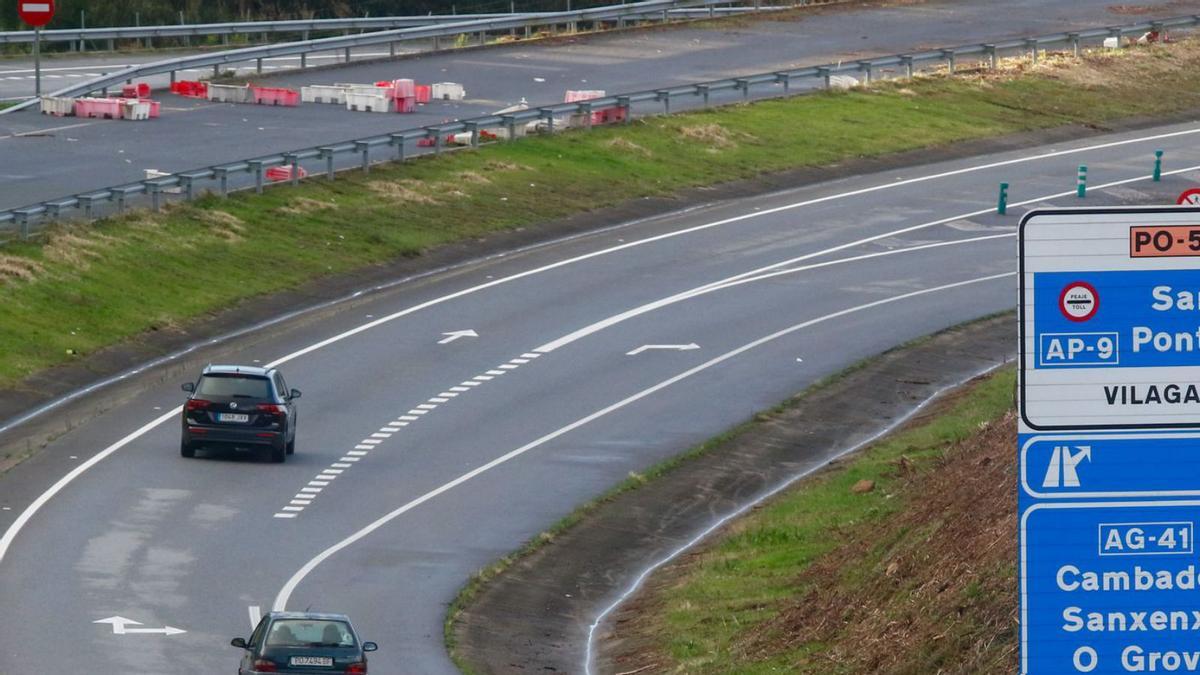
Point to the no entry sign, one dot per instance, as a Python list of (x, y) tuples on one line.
[(36, 13)]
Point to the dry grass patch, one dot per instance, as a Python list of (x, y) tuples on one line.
[(18, 269), (715, 136), (501, 165), (409, 191), (623, 144), (76, 247), (472, 177), (303, 205)]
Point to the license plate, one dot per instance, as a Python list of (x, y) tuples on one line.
[(326, 661), (232, 417)]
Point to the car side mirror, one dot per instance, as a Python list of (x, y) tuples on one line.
[(239, 642), (189, 387), (370, 646), (295, 393)]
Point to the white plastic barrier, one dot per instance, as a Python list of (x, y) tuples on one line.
[(135, 110), (842, 82), (447, 91), (377, 101), (323, 93), (228, 93), (58, 106)]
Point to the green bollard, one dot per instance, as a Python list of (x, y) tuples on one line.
[(1081, 187), (1002, 203), (1158, 165)]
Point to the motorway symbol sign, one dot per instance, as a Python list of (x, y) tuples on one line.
[(1109, 440), (36, 13), (1189, 196)]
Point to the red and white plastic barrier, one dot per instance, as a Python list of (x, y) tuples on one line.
[(190, 88)]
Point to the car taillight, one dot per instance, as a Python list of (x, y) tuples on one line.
[(265, 666), (270, 408), (357, 668), (198, 404)]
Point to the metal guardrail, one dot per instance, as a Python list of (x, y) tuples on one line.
[(296, 26), (620, 13), (398, 142)]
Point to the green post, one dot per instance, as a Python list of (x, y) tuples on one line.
[(1081, 187), (1002, 203), (1158, 165)]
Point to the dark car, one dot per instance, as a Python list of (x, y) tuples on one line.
[(303, 642), (241, 407)]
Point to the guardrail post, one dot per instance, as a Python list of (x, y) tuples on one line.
[(398, 141), (510, 123), (155, 195), (865, 68), (22, 223), (623, 103), (990, 50), (702, 89), (294, 162), (347, 55), (257, 166), (786, 79), (1074, 38), (474, 129), (303, 60), (258, 66), (222, 176), (1033, 50), (172, 77), (119, 198), (744, 85), (327, 155), (549, 117), (948, 54), (665, 97), (586, 110), (112, 45), (304, 36), (392, 48), (482, 37), (1002, 201), (86, 203), (1158, 165), (216, 70), (1116, 33), (907, 62), (365, 149), (437, 141), (52, 212), (1081, 184), (437, 42), (189, 192), (824, 74)]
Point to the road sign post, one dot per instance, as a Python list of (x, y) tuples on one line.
[(1109, 440), (36, 13)]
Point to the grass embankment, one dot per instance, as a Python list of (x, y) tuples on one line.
[(85, 287), (901, 560)]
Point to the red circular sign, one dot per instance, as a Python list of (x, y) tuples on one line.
[(1189, 197), (1078, 301), (36, 12)]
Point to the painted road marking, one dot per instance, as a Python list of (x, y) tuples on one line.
[(677, 348), (255, 616), (363, 447), (119, 624), (356, 453), (285, 515), (455, 335), (285, 593), (15, 528)]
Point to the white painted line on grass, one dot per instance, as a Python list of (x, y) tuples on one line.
[(285, 593)]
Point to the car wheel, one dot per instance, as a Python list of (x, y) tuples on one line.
[(278, 454), (187, 449), (291, 446)]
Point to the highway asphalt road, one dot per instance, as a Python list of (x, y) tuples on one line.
[(421, 459), (48, 157)]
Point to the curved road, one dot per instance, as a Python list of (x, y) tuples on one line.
[(421, 460), (47, 157)]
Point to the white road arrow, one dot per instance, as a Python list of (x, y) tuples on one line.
[(454, 335), (678, 348), (119, 624)]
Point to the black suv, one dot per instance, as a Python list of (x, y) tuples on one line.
[(240, 406)]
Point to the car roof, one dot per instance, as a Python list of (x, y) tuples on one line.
[(325, 616), (254, 371)]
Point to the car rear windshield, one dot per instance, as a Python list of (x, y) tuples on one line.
[(236, 386), (310, 633)]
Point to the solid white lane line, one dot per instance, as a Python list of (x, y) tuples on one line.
[(255, 616), (12, 531), (288, 588)]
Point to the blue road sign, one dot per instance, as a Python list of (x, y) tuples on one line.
[(1109, 441)]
